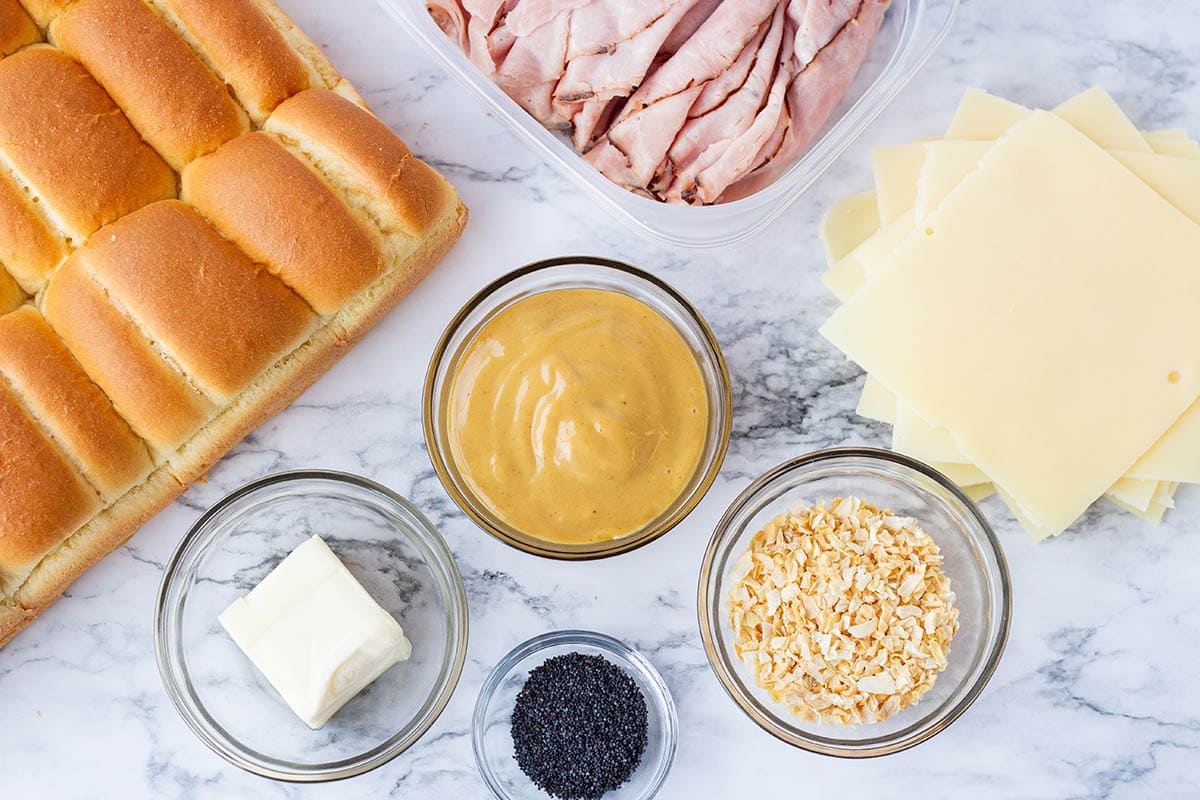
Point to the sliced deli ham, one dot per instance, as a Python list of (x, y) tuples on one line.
[(684, 101)]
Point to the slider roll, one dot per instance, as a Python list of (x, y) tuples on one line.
[(94, 168), (243, 45), (176, 103), (17, 29)]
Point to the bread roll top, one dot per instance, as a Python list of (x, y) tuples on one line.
[(239, 42), (174, 101), (43, 499), (30, 249), (220, 318), (312, 55), (146, 389), (287, 217), (71, 146), (17, 28), (72, 409), (365, 159)]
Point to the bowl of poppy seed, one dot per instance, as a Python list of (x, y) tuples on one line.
[(574, 715)]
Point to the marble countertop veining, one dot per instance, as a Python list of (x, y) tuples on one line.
[(1098, 695)]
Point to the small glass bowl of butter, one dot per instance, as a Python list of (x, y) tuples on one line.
[(389, 548), (596, 414)]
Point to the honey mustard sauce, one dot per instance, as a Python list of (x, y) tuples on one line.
[(577, 415)]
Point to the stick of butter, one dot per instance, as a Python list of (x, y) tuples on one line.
[(313, 631)]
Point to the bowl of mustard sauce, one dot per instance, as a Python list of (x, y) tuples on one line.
[(577, 408)]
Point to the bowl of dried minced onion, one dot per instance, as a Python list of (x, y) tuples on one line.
[(854, 602)]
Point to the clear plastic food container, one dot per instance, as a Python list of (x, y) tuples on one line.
[(911, 31)]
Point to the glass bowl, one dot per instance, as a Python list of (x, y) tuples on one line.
[(491, 725), (397, 555), (578, 272), (974, 563)]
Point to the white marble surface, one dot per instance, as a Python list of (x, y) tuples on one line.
[(1098, 694)]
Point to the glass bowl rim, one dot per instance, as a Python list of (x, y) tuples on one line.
[(612, 547), (167, 607), (995, 646), (625, 655)]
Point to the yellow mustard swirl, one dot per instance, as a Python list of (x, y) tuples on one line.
[(577, 415)]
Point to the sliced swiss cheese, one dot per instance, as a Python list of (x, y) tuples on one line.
[(896, 170), (848, 223), (1095, 111), (1169, 146), (1106, 390)]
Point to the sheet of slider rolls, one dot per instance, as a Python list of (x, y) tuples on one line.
[(198, 215)]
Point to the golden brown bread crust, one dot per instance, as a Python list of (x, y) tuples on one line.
[(12, 619), (262, 400), (241, 44), (42, 498), (355, 147), (148, 392), (104, 533), (17, 28), (150, 378), (94, 168), (219, 317), (180, 107), (11, 293), (43, 11), (57, 392), (323, 72), (286, 217), (29, 247)]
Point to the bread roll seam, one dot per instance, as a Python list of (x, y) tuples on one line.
[(325, 74), (354, 196), (42, 208), (180, 28), (51, 436), (159, 348)]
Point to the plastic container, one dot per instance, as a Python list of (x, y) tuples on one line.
[(974, 562), (911, 31)]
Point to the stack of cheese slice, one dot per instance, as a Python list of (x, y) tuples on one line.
[(1025, 298)]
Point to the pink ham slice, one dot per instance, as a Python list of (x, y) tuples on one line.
[(602, 24), (616, 69), (483, 16), (738, 157), (645, 138), (694, 101), (613, 69), (704, 140), (696, 16), (816, 23), (593, 116), (719, 88), (529, 15), (817, 91), (533, 66), (651, 119), (451, 17), (708, 53)]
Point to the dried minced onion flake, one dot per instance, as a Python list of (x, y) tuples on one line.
[(842, 611)]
